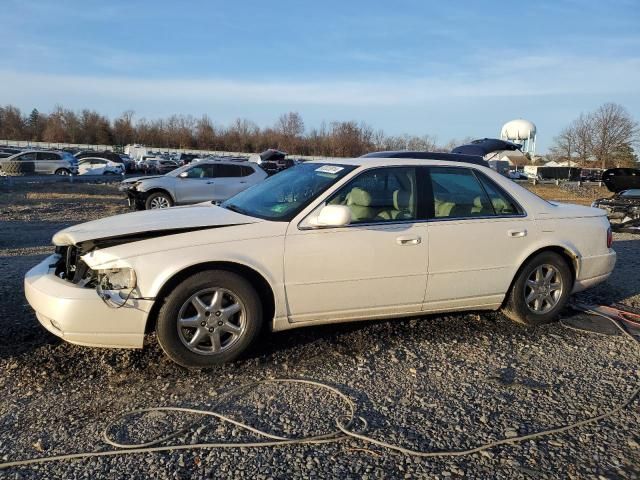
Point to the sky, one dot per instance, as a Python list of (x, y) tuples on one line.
[(443, 68)]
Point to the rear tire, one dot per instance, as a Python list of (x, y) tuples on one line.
[(198, 329), (62, 171), (540, 291), (158, 200)]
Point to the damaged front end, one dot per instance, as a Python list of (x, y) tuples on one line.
[(114, 285)]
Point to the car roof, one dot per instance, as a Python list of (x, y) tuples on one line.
[(453, 157), (382, 162), (227, 162)]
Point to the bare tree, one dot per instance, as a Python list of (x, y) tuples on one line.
[(612, 128), (565, 144), (12, 125), (123, 129)]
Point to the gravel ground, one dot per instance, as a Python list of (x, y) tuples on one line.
[(438, 382)]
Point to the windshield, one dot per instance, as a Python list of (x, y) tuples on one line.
[(283, 196)]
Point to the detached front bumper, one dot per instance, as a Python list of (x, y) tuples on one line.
[(78, 315)]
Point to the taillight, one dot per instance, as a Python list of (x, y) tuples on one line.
[(609, 237)]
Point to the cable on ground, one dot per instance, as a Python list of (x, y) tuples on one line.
[(345, 423)]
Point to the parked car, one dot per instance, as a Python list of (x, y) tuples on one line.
[(591, 174), (517, 175), (106, 154), (99, 166), (618, 179), (165, 166), (6, 152), (147, 163), (623, 209), (273, 161), (129, 164), (212, 180), (322, 242), (185, 158), (44, 162)]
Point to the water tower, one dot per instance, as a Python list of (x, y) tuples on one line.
[(522, 132)]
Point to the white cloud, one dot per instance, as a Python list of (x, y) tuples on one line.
[(524, 76)]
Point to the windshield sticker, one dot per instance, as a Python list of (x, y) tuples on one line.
[(329, 169)]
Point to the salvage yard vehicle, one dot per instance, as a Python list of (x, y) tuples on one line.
[(321, 242), (623, 209), (43, 162), (99, 166), (206, 180)]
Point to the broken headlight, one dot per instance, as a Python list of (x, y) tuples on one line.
[(115, 286), (117, 279)]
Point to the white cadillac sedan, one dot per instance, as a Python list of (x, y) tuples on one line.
[(321, 242)]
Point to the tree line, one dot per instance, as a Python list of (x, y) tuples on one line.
[(335, 139), (602, 138)]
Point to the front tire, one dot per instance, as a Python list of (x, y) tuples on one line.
[(158, 200), (210, 318), (63, 171), (540, 291)]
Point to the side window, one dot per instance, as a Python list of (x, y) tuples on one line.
[(225, 170), (457, 193), (48, 156), (246, 171), (502, 204), (200, 171), (380, 195), (27, 157)]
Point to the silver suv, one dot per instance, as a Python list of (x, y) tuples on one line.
[(42, 162), (206, 180)]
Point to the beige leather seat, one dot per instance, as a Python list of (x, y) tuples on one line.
[(443, 208), (479, 208), (359, 202), (402, 207), (501, 207)]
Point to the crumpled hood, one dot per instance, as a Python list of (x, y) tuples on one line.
[(162, 221), (132, 180)]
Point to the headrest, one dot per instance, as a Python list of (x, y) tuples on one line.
[(499, 205), (401, 200), (360, 197), (477, 202)]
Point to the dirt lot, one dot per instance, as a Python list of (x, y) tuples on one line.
[(438, 382)]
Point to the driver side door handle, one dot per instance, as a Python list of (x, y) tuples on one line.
[(408, 240)]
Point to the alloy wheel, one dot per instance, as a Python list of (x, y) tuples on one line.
[(211, 321), (543, 289), (160, 202)]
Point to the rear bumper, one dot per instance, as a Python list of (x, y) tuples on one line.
[(594, 270), (78, 315)]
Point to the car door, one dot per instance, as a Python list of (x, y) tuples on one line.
[(476, 235), (374, 267), (196, 184), (47, 162), (84, 166), (28, 157), (229, 181)]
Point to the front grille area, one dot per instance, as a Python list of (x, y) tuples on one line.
[(70, 266), (67, 265)]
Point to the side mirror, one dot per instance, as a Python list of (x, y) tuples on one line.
[(334, 216), (184, 175)]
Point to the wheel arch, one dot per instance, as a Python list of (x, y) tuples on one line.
[(570, 257), (257, 280), (159, 190)]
